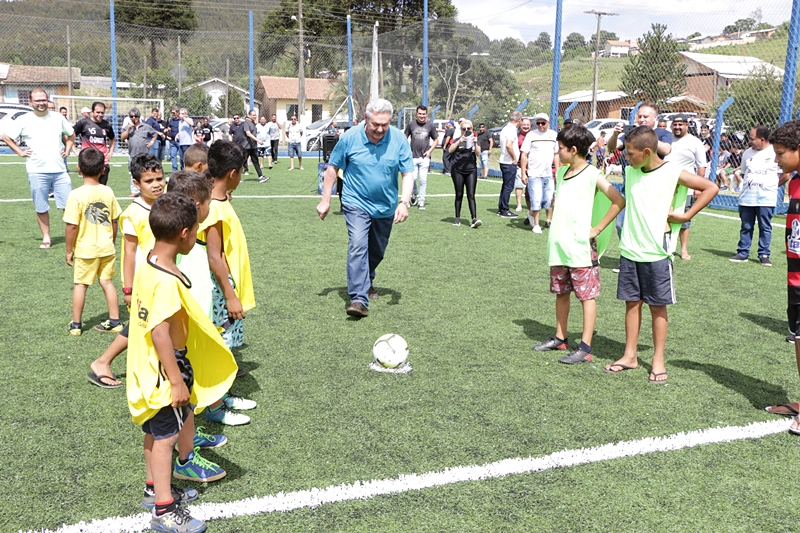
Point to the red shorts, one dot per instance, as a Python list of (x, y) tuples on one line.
[(584, 282)]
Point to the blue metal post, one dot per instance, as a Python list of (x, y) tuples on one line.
[(425, 53), (433, 112), (350, 110), (632, 118), (712, 172), (569, 109), (556, 80), (113, 65), (523, 105), (472, 112), (252, 67), (790, 72)]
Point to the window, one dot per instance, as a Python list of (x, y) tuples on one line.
[(291, 110), (24, 97), (316, 112)]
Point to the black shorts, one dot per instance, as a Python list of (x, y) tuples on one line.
[(169, 420), (651, 282)]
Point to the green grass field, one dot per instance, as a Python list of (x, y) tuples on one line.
[(470, 303)]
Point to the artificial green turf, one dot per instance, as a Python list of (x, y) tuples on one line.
[(470, 303)]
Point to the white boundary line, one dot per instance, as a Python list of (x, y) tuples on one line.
[(363, 490)]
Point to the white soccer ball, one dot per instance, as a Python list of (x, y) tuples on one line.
[(390, 350)]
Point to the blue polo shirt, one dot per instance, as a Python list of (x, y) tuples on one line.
[(370, 169)]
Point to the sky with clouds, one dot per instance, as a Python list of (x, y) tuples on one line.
[(525, 19)]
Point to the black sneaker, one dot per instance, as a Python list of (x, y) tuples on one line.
[(263, 179), (551, 344), (413, 199), (575, 357), (739, 258), (765, 261), (475, 223), (508, 214), (790, 338), (546, 224)]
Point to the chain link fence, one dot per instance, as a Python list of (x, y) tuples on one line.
[(678, 69)]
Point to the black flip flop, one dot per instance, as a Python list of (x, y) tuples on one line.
[(789, 409), (98, 380)]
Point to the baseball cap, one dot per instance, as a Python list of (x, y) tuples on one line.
[(541, 116), (452, 123), (86, 110), (679, 118)]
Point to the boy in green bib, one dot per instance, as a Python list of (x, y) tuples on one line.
[(572, 245), (655, 195)]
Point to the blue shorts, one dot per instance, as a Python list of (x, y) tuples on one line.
[(540, 192), (294, 150), (41, 184), (650, 282)]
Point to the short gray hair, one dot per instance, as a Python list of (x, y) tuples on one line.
[(516, 115), (183, 110), (378, 106)]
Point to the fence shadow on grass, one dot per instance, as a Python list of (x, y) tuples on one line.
[(767, 322), (758, 392), (383, 293)]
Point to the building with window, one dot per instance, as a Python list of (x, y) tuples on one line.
[(279, 95), (17, 81)]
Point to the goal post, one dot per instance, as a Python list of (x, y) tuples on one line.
[(116, 108)]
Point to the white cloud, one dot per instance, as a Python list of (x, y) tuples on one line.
[(499, 19)]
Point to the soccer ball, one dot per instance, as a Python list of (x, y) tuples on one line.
[(390, 350)]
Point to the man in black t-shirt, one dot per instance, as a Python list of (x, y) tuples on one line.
[(96, 132), (422, 134)]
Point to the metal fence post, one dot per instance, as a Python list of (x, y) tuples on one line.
[(555, 83)]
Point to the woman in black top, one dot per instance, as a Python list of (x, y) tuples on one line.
[(464, 171)]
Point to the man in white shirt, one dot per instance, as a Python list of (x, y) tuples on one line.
[(539, 153), (43, 132), (294, 134), (509, 157), (760, 176), (689, 153)]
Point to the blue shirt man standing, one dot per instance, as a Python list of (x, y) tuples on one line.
[(370, 157)]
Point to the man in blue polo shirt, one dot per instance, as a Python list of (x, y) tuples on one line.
[(370, 156)]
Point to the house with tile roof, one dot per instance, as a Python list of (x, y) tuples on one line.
[(279, 95), (17, 81)]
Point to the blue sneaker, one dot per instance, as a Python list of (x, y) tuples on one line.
[(181, 496), (205, 441), (178, 521), (197, 469)]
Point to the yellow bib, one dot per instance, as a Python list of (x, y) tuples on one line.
[(234, 244), (157, 295)]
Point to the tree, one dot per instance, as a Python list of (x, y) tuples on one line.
[(693, 35), (197, 102), (235, 104), (543, 42), (757, 100), (155, 21), (655, 74), (740, 25), (575, 46)]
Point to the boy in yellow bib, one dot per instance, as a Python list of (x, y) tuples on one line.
[(655, 197), (176, 359)]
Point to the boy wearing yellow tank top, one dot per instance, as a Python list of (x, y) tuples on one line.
[(571, 244), (655, 192)]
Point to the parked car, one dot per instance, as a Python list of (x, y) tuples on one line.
[(315, 130), (606, 125), (9, 112)]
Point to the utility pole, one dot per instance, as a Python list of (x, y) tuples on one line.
[(599, 15), (301, 82)]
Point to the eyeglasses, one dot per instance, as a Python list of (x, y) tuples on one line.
[(541, 123), (235, 118), (39, 101)]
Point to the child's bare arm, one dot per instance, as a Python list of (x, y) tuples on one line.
[(708, 190), (71, 235), (131, 243), (617, 204), (219, 266), (162, 342), (114, 228)]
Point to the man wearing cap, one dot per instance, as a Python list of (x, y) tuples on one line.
[(140, 137), (688, 153), (538, 154)]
